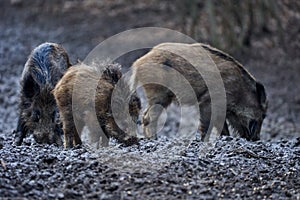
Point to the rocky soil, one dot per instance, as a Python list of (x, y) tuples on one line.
[(170, 167)]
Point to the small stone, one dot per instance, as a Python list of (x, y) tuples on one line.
[(60, 195)]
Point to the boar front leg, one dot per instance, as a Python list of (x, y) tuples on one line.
[(20, 132), (205, 115), (97, 131), (225, 130), (158, 98), (204, 121)]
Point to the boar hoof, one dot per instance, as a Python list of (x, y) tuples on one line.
[(18, 138)]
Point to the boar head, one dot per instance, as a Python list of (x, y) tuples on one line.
[(248, 118)]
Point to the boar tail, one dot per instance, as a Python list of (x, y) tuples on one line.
[(112, 73)]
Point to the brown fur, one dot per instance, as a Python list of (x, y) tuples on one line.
[(81, 77), (246, 98)]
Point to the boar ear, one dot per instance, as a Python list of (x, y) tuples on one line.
[(30, 87), (261, 94)]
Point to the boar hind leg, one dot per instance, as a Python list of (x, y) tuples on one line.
[(150, 118), (71, 136), (97, 132), (158, 98)]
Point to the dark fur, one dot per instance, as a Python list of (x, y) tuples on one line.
[(81, 77), (38, 111), (246, 98)]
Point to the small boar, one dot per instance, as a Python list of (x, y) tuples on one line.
[(38, 110), (245, 97), (84, 90)]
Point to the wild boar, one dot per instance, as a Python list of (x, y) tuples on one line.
[(38, 112), (246, 102), (85, 90)]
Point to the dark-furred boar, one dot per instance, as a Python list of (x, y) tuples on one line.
[(38, 110)]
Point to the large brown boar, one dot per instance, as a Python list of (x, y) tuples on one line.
[(84, 97), (246, 103), (38, 111)]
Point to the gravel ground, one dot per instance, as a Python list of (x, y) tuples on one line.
[(167, 168), (163, 169)]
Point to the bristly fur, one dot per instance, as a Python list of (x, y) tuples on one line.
[(229, 58), (75, 117), (43, 64), (112, 73), (245, 97), (44, 67)]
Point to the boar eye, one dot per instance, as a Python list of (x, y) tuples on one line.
[(252, 126), (36, 115)]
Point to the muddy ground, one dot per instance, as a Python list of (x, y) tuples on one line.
[(167, 168)]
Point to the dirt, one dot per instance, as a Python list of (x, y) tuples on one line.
[(169, 167)]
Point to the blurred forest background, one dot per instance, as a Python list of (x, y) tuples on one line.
[(231, 24), (226, 24), (264, 35)]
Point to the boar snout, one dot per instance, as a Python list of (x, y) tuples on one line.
[(48, 137), (252, 137), (253, 131)]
